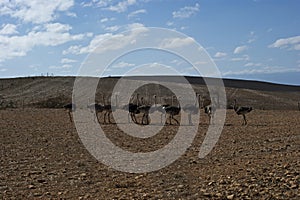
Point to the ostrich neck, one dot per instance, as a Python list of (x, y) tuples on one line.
[(235, 106)]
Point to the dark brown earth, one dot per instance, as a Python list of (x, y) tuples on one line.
[(42, 157)]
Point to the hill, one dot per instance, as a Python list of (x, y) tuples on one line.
[(54, 92)]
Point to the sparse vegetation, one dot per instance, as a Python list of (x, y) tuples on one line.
[(54, 92), (51, 102)]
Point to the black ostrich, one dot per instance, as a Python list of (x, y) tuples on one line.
[(242, 110), (71, 107), (172, 111)]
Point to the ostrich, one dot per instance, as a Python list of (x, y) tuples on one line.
[(145, 109), (70, 108), (108, 109), (98, 108), (192, 109), (158, 108), (149, 109), (242, 110), (132, 109), (210, 111), (172, 111)]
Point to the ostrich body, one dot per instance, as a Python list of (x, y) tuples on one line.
[(210, 111), (149, 109), (70, 108), (159, 109), (98, 108), (192, 109), (132, 111), (242, 110), (108, 109), (172, 111), (145, 109)]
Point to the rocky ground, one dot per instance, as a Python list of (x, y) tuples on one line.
[(42, 157)]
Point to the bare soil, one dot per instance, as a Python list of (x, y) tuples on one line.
[(42, 157)]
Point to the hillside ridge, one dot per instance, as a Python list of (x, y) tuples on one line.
[(54, 92)]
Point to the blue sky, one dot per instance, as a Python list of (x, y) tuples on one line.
[(249, 39)]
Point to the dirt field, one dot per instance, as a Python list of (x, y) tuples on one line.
[(43, 157)]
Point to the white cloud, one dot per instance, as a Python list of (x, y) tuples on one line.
[(47, 35), (65, 66), (243, 58), (123, 64), (136, 25), (89, 34), (112, 28), (34, 11), (121, 6), (102, 3), (87, 49), (177, 62), (153, 68), (57, 27), (74, 49), (55, 34), (265, 70), (220, 55), (116, 41), (103, 20), (137, 12), (67, 60), (3, 70), (71, 14), (171, 43), (240, 49), (291, 43), (183, 28), (186, 11), (250, 64), (252, 37), (169, 23), (8, 29), (201, 62)]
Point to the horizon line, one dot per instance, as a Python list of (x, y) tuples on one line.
[(119, 76)]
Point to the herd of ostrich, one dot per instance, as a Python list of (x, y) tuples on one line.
[(139, 106)]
